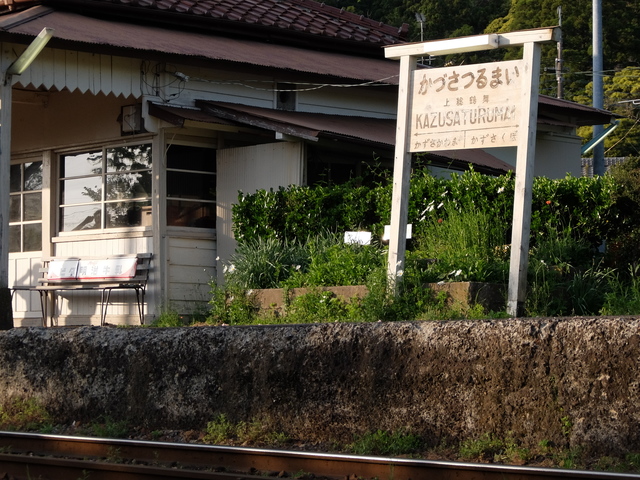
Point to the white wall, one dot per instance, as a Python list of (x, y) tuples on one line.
[(191, 267), (556, 155), (379, 102), (249, 169), (62, 119)]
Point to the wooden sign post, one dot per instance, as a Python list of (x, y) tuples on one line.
[(470, 106)]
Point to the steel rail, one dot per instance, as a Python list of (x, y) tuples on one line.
[(52, 468), (179, 460)]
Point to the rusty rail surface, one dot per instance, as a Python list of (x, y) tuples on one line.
[(35, 456)]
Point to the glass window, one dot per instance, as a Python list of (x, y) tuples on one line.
[(25, 207), (106, 188), (191, 184)]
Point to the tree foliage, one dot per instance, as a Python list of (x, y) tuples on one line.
[(621, 96), (621, 45), (621, 36), (443, 18), (452, 18)]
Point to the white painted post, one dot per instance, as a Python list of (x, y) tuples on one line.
[(401, 175), (16, 68), (6, 313), (519, 261)]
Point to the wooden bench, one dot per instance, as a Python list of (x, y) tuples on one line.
[(117, 272)]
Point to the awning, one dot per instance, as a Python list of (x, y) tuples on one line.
[(378, 133)]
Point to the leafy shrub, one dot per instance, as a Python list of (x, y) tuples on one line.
[(623, 246), (293, 212), (583, 207), (464, 224), (624, 249), (588, 206)]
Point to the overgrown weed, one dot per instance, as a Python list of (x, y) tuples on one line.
[(24, 414), (465, 245), (623, 295), (169, 317), (494, 449), (382, 442), (108, 427), (221, 431)]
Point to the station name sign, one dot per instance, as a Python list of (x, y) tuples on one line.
[(469, 106)]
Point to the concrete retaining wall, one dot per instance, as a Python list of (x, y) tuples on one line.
[(571, 381)]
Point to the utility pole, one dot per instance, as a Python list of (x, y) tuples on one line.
[(559, 78), (421, 19), (598, 90)]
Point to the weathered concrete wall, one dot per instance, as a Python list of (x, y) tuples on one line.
[(530, 379)]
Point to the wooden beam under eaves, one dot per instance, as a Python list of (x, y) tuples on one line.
[(475, 43)]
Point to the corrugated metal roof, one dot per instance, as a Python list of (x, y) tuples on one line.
[(556, 111), (314, 126), (371, 130), (73, 27)]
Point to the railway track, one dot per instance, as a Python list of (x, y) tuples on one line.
[(52, 457)]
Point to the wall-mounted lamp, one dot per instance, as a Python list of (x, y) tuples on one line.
[(131, 121), (30, 54)]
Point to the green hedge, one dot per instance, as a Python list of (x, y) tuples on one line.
[(589, 208)]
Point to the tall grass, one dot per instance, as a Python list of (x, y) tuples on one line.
[(466, 245), (320, 260), (265, 262), (623, 295), (567, 275), (326, 261)]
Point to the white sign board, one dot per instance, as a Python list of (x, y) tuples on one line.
[(386, 235), (357, 238), (63, 269), (116, 268), (468, 106)]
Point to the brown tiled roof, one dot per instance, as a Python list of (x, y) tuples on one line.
[(276, 18)]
